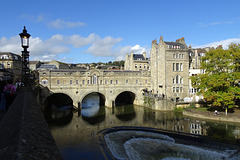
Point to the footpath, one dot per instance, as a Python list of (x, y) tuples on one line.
[(24, 133), (230, 117)]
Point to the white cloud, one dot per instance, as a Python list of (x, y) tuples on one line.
[(202, 25), (60, 24), (224, 43), (58, 45)]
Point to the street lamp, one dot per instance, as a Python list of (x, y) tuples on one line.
[(25, 56)]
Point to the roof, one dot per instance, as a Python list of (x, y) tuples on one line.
[(138, 57), (182, 46), (47, 66), (10, 56)]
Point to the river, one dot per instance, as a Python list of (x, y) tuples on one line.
[(89, 134)]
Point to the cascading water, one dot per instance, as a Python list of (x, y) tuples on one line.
[(141, 145)]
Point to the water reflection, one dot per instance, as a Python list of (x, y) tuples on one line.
[(82, 132), (93, 114), (125, 113)]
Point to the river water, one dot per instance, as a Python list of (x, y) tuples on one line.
[(135, 132)]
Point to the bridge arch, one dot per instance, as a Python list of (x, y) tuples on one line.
[(58, 99), (58, 107), (102, 98), (125, 98)]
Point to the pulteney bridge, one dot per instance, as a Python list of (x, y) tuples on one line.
[(118, 87)]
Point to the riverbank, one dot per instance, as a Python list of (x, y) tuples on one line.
[(230, 117)]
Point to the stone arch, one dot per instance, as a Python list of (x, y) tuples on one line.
[(58, 99), (58, 108), (125, 97), (102, 97)]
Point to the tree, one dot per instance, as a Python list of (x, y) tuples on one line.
[(220, 82)]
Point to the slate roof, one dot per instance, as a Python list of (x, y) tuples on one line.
[(175, 44), (47, 66), (138, 57)]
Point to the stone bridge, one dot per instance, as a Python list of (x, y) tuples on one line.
[(113, 87)]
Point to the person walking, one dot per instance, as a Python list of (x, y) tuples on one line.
[(19, 84), (10, 93), (2, 96)]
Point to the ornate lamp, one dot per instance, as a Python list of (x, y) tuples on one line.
[(25, 56)]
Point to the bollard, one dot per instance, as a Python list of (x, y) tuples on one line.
[(79, 109), (113, 105)]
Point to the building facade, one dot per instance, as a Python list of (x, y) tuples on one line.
[(170, 68), (137, 62), (13, 63)]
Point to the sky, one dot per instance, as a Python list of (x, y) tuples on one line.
[(86, 31)]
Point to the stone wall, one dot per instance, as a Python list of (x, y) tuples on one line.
[(24, 133)]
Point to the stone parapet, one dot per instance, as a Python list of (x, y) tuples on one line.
[(24, 133)]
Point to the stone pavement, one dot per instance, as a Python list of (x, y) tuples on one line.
[(24, 133), (230, 117)]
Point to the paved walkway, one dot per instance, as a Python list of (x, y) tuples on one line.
[(230, 117), (1, 115), (24, 133)]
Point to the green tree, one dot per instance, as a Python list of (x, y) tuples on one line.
[(220, 82)]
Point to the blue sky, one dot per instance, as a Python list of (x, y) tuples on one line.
[(85, 31)]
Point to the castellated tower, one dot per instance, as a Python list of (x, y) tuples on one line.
[(170, 68)]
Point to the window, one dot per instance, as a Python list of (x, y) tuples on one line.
[(177, 79), (135, 65), (76, 81), (174, 56), (145, 66), (88, 82), (127, 81), (70, 81), (181, 89), (173, 80), (173, 66), (116, 81), (177, 66), (105, 81), (58, 82), (100, 81), (94, 79), (181, 67), (137, 81), (145, 81), (140, 66), (44, 82), (110, 81), (83, 82), (177, 89), (181, 80), (173, 90)]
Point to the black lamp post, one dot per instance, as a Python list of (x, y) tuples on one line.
[(25, 56)]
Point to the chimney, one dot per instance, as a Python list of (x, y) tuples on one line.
[(181, 40)]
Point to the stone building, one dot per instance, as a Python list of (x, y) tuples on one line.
[(137, 62), (170, 68), (13, 63)]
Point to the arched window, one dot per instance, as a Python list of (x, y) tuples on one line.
[(177, 79), (94, 79)]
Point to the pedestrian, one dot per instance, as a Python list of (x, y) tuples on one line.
[(19, 84), (2, 96), (10, 93)]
